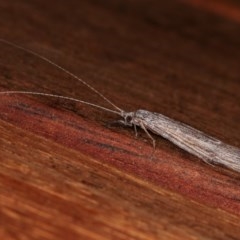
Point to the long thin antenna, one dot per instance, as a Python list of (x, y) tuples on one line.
[(62, 69), (62, 97)]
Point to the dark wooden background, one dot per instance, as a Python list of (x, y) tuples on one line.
[(65, 172)]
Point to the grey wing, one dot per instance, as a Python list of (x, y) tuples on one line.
[(209, 149)]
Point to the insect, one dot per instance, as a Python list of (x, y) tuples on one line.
[(205, 147)]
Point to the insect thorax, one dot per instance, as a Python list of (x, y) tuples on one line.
[(134, 118)]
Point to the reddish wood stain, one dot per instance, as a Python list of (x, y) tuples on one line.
[(65, 172), (222, 8)]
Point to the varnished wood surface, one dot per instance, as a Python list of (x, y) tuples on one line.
[(65, 171)]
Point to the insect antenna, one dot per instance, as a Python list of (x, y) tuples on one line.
[(64, 70), (61, 97)]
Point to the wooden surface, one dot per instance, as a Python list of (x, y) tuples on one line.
[(65, 172)]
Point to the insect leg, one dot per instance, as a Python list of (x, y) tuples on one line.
[(149, 135), (135, 130)]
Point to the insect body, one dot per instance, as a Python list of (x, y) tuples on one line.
[(209, 149)]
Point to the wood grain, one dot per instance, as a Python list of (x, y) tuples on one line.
[(65, 171), (227, 9)]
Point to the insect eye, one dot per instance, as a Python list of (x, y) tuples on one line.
[(128, 119)]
